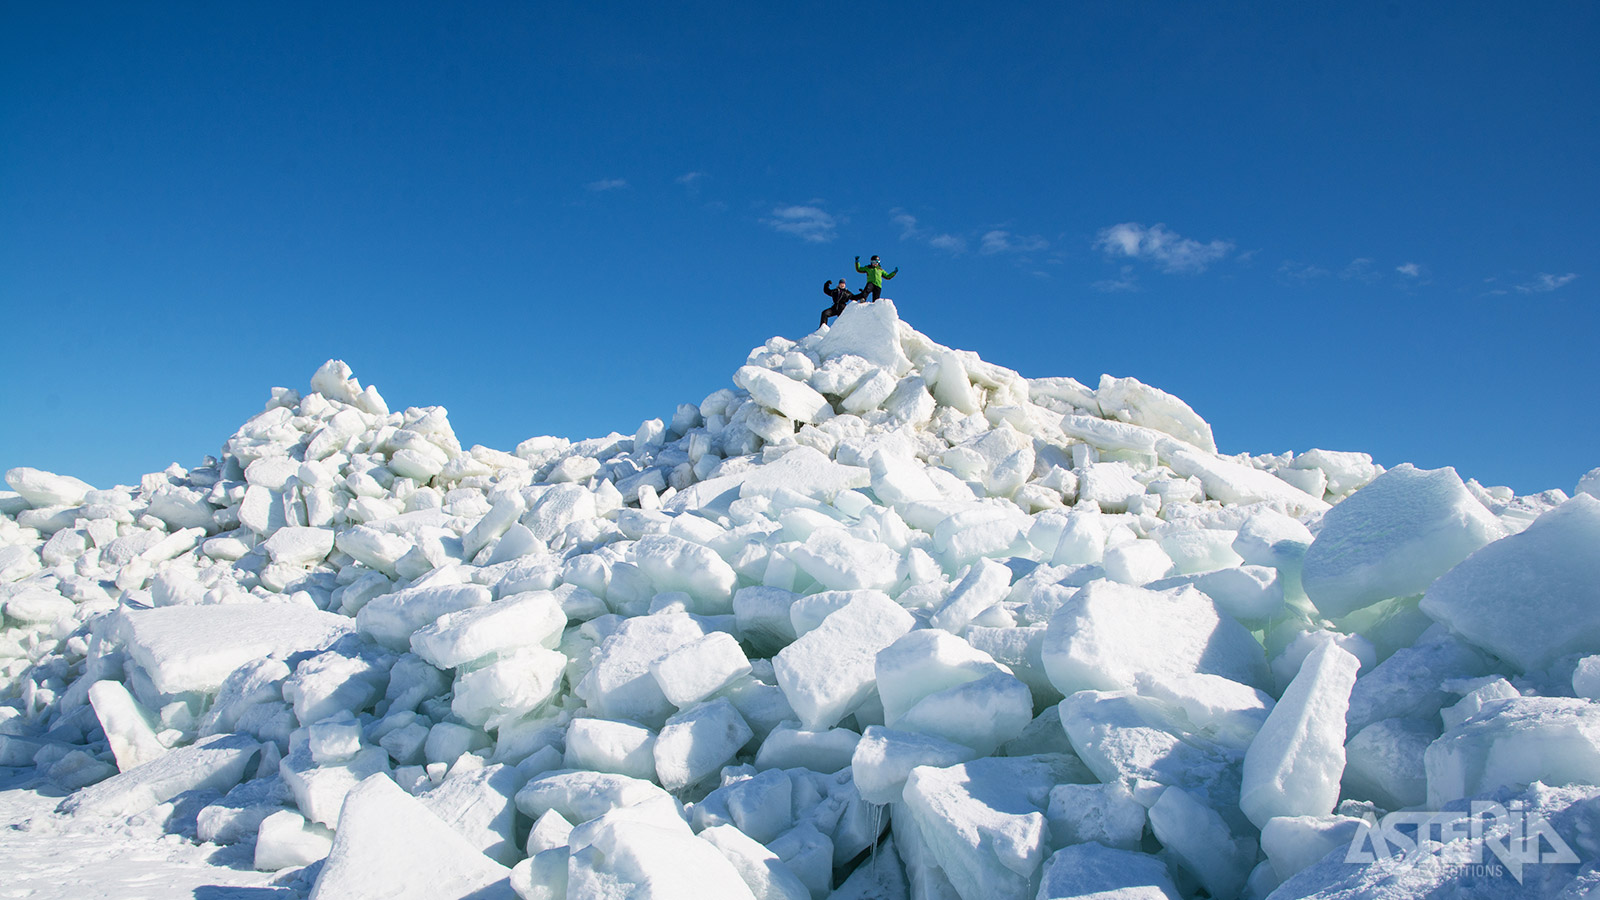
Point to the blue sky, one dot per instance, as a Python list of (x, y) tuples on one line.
[(1350, 226)]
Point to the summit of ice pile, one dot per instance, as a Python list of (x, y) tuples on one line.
[(874, 619), (870, 331)]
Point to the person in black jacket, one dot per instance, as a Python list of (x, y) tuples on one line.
[(841, 295)]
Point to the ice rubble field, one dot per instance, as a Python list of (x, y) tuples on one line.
[(881, 621)]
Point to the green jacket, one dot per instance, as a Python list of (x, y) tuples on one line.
[(875, 274)]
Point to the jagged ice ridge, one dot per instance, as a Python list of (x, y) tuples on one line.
[(881, 620)]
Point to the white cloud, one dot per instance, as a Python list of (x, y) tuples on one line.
[(689, 179), (607, 184), (1544, 282), (1128, 282), (1005, 242), (1298, 271), (1410, 270), (809, 223), (911, 230), (1360, 269), (907, 223), (1167, 249)]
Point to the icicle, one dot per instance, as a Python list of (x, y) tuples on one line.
[(877, 834)]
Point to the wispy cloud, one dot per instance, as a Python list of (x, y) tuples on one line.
[(1544, 282), (911, 229), (808, 222), (607, 184), (998, 241), (1158, 244), (907, 223), (1291, 270), (1412, 274), (1126, 283), (1360, 269), (690, 179)]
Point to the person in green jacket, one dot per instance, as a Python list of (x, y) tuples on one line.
[(876, 276)]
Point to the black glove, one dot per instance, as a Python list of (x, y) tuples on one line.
[(858, 260), (896, 271)]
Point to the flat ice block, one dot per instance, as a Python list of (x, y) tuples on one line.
[(700, 668), (1201, 842), (477, 804), (839, 561), (884, 758), (389, 846), (213, 763), (1105, 813), (320, 788), (1096, 871), (1102, 639), (766, 875), (602, 745), (698, 742), (1293, 843), (520, 620), (195, 648), (391, 619), (1532, 597), (793, 399), (1130, 400), (581, 796), (1294, 765), (984, 821), (42, 489), (1393, 537), (788, 747), (1515, 742), (619, 685), (298, 545), (627, 857), (829, 671), (127, 725), (674, 564)]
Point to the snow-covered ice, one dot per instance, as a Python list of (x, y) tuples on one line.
[(875, 619)]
